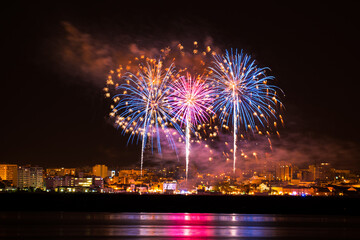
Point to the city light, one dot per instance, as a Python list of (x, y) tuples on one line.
[(281, 179)]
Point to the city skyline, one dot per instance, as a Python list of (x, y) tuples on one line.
[(274, 179)]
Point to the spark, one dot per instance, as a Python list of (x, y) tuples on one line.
[(245, 98), (143, 103), (191, 101)]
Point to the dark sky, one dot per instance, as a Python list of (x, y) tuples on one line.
[(55, 113)]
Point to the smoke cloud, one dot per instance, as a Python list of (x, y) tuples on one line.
[(84, 56), (298, 149)]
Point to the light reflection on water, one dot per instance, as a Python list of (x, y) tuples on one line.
[(192, 217), (69, 225)]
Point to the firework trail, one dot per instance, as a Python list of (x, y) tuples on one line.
[(143, 108), (191, 101), (244, 98)]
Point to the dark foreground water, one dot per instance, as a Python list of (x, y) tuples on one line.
[(104, 225)]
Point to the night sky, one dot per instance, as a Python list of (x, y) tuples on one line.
[(56, 56)]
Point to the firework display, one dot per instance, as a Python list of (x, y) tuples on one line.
[(244, 98), (143, 106), (191, 101), (190, 97)]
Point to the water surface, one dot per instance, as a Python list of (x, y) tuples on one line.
[(104, 225)]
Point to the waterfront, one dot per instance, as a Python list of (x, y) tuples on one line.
[(105, 225)]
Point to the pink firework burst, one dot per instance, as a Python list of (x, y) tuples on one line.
[(191, 102), (191, 99)]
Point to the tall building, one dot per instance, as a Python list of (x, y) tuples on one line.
[(23, 177), (30, 177), (100, 171), (306, 175), (314, 170), (98, 182), (8, 172), (36, 177), (284, 172), (69, 181)]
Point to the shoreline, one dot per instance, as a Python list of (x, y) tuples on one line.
[(179, 203)]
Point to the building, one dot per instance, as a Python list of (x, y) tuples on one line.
[(306, 175), (51, 172), (292, 190), (169, 186), (23, 177), (53, 182), (314, 172), (322, 172), (36, 177), (89, 182), (131, 172), (341, 174), (98, 182), (30, 177), (69, 181), (83, 181), (284, 172), (326, 173), (8, 172), (100, 171)]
